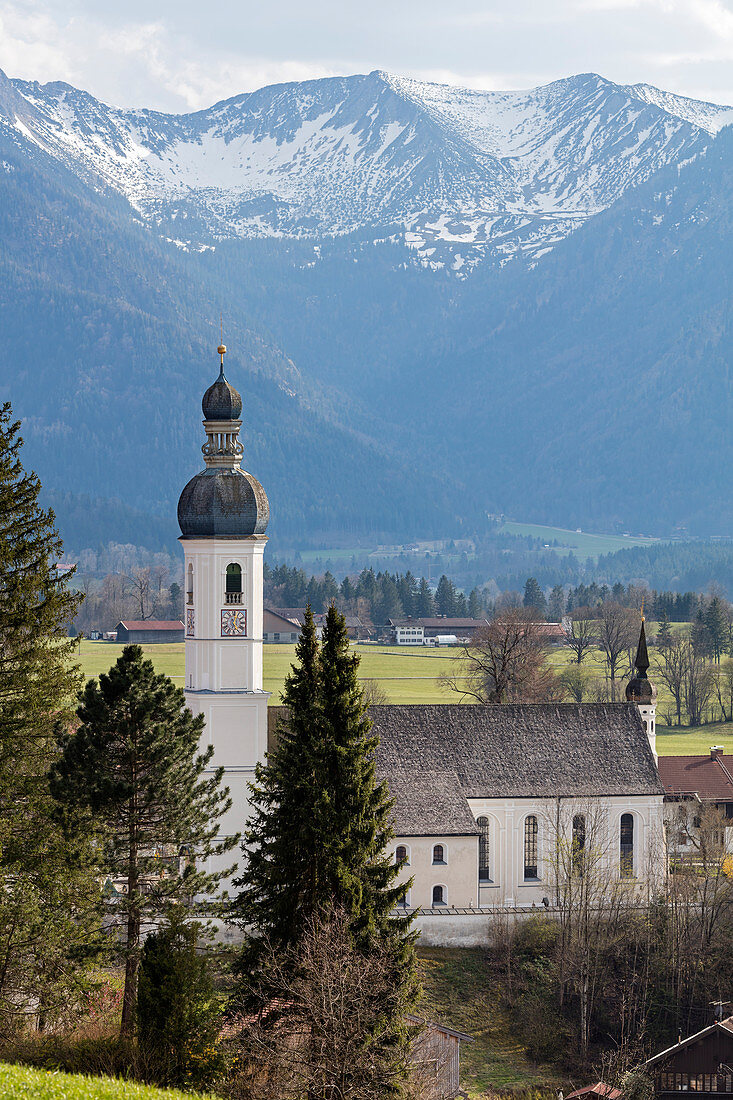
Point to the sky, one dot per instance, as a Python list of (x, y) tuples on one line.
[(181, 55)]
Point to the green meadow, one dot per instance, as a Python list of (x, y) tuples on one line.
[(582, 544), (21, 1083), (406, 676)]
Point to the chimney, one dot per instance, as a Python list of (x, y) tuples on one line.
[(716, 751)]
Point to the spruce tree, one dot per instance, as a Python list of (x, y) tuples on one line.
[(664, 633), (134, 763), (49, 918), (321, 824)]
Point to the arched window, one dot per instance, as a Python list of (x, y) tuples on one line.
[(530, 846), (577, 854), (439, 895), (189, 583), (626, 839), (404, 902), (234, 583), (484, 858), (438, 854), (400, 855)]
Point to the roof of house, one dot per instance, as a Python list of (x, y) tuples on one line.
[(440, 623), (460, 1035), (710, 778), (726, 1026), (151, 624), (287, 619), (429, 802), (297, 614), (607, 1092), (521, 750)]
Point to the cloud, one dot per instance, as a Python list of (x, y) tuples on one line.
[(169, 55), (138, 64)]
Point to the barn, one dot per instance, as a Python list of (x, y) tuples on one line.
[(147, 631)]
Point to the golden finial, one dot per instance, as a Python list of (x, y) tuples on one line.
[(222, 349), (642, 600)]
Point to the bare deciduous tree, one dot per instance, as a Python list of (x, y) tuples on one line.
[(580, 634), (618, 631), (506, 662), (325, 1028)]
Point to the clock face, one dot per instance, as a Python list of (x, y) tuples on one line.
[(190, 622), (233, 623)]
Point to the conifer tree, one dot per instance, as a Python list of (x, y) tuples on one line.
[(134, 763), (49, 901), (664, 633), (317, 839)]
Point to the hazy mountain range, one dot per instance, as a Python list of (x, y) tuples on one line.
[(439, 302)]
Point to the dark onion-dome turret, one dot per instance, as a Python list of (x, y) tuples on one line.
[(221, 401), (223, 501), (640, 689)]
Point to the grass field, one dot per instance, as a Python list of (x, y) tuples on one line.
[(582, 544), (460, 991), (21, 1083), (406, 675)]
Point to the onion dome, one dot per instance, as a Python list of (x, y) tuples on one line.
[(223, 501), (640, 689), (220, 503), (221, 400)]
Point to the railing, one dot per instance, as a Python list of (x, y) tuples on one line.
[(233, 597)]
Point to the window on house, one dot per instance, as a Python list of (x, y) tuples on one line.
[(233, 588), (627, 845), (400, 855), (530, 846), (404, 901), (438, 895), (484, 867), (577, 854), (438, 854), (189, 584)]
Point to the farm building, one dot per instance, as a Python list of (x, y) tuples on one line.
[(436, 1054), (146, 631), (279, 627), (422, 630)]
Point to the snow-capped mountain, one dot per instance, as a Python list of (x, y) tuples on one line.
[(458, 174)]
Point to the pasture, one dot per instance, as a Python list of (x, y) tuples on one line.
[(582, 544), (408, 676)]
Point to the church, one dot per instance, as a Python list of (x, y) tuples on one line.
[(496, 807)]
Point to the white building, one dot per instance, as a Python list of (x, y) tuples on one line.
[(489, 800), (223, 514)]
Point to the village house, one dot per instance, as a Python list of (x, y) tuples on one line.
[(702, 1062), (692, 783)]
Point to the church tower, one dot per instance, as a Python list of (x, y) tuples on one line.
[(223, 514), (641, 690)]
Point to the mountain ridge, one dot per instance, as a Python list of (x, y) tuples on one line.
[(463, 176)]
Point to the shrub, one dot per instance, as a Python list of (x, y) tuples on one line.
[(179, 1019)]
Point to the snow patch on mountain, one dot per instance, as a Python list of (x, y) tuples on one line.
[(458, 172)]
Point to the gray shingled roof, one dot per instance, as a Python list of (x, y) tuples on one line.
[(531, 750), (429, 802)]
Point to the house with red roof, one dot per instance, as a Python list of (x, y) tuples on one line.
[(692, 783)]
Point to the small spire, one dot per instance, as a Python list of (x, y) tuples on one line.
[(222, 348), (641, 664)]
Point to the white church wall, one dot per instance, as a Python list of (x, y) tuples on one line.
[(458, 873), (509, 886)]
